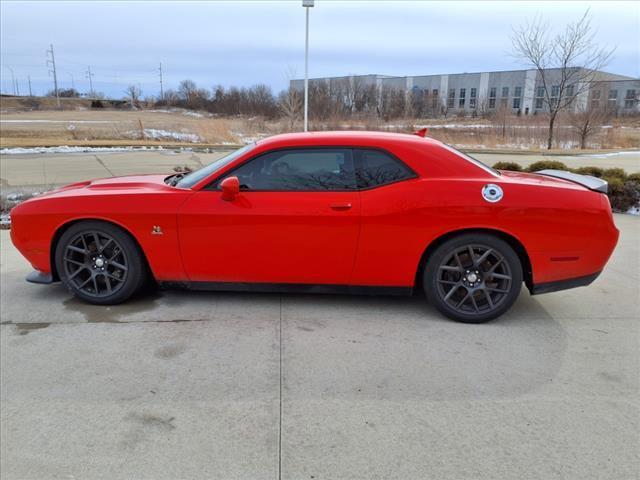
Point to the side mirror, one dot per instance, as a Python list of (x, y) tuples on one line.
[(230, 188)]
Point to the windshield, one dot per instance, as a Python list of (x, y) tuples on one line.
[(196, 176), (473, 160)]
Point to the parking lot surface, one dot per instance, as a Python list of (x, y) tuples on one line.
[(181, 384)]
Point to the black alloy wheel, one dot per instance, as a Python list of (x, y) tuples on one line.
[(99, 262), (473, 278)]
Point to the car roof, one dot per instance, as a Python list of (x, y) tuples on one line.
[(345, 137)]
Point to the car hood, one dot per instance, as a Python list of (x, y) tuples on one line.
[(127, 183), (131, 181)]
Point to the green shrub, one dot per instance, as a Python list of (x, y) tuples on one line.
[(622, 195), (546, 165), (513, 166), (593, 171), (633, 177), (615, 173)]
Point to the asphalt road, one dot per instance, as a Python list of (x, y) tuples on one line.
[(37, 172), (228, 385)]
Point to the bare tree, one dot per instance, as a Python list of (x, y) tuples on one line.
[(392, 103), (321, 103), (501, 118), (186, 90), (573, 54), (290, 104), (483, 106), (586, 121), (133, 92), (357, 95)]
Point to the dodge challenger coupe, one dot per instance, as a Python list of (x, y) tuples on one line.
[(351, 212)]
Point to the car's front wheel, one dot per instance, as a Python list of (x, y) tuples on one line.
[(99, 262), (473, 278)]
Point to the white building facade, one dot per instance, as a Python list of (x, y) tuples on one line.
[(519, 91)]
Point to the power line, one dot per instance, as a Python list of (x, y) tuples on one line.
[(89, 75), (161, 89), (55, 74), (13, 80)]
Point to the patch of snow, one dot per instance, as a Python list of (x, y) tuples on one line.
[(67, 149), (246, 139), (57, 121), (5, 221), (634, 210), (613, 154), (189, 113), (15, 197), (157, 134)]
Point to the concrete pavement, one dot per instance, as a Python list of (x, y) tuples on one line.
[(228, 385)]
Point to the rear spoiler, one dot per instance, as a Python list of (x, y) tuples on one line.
[(592, 183)]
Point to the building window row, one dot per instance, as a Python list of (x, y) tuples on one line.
[(492, 97), (630, 99), (517, 98), (539, 99), (452, 97)]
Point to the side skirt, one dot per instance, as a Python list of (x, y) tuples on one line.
[(290, 288), (563, 284)]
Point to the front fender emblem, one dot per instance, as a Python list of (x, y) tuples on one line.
[(492, 193), (156, 230)]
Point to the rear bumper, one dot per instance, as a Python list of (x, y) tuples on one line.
[(39, 277), (548, 287)]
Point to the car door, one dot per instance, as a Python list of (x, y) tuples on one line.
[(295, 220), (390, 233)]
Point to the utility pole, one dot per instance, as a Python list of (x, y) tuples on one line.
[(161, 87), (306, 4), (13, 81), (29, 80), (89, 75), (73, 83), (55, 73)]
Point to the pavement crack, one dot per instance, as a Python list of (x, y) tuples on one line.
[(103, 164), (280, 398)]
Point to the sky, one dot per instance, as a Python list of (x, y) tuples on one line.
[(245, 43)]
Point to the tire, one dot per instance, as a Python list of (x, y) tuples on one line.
[(100, 263), (473, 278)]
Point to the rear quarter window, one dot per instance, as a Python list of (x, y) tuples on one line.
[(376, 167)]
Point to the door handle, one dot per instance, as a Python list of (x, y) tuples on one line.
[(340, 206)]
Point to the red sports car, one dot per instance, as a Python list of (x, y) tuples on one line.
[(353, 212)]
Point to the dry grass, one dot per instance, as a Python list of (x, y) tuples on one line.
[(130, 127)]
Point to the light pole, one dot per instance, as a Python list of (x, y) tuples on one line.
[(306, 4)]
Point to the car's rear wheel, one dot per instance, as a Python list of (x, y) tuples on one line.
[(99, 262), (473, 278)]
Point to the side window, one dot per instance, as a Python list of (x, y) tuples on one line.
[(298, 170), (375, 168)]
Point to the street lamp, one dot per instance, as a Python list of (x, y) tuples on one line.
[(306, 4)]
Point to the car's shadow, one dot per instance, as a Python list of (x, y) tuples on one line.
[(387, 348)]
